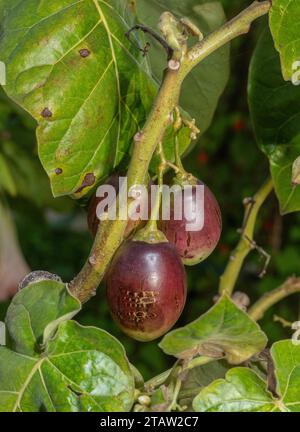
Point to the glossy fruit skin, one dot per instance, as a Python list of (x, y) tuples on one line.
[(195, 246), (146, 289)]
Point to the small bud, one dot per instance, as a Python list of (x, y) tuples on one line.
[(138, 137), (241, 300), (92, 260), (174, 65), (144, 400), (171, 117), (248, 200)]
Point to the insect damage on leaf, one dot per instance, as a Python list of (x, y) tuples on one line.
[(46, 113), (95, 119), (88, 181), (84, 52)]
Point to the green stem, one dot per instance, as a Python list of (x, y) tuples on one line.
[(236, 27), (173, 405), (291, 286), (177, 156), (199, 361), (176, 369), (152, 224), (244, 247), (111, 233), (158, 380)]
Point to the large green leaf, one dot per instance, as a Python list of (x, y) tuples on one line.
[(284, 24), (70, 65), (224, 327), (275, 110), (81, 369), (57, 365), (286, 356), (204, 86), (198, 378), (35, 312), (243, 390)]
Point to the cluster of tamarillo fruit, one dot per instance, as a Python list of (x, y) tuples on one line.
[(146, 282)]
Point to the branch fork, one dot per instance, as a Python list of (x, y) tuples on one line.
[(110, 235)]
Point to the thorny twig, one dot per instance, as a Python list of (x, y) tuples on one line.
[(263, 254), (285, 323), (246, 243), (249, 204)]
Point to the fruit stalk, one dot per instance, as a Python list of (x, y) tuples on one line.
[(111, 234)]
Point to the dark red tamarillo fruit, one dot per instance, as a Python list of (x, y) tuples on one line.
[(146, 289), (194, 246)]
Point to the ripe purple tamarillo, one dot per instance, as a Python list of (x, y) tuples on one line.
[(194, 246), (146, 288)]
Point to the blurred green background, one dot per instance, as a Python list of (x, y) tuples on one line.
[(54, 236)]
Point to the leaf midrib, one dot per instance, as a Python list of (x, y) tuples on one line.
[(109, 35), (26, 383), (37, 368)]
